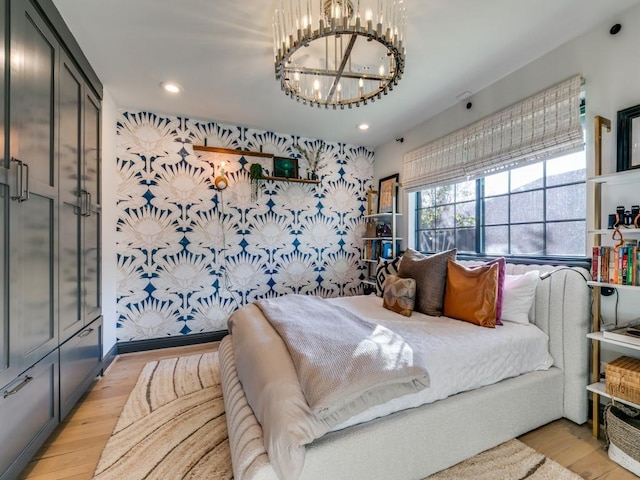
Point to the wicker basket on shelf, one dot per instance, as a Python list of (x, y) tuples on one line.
[(622, 379)]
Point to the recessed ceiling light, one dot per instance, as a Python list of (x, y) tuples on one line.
[(171, 87), (364, 126)]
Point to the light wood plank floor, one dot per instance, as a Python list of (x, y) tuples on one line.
[(73, 450)]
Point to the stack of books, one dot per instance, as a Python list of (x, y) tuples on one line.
[(617, 265), (626, 334)]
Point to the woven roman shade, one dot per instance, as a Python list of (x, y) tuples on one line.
[(543, 125)]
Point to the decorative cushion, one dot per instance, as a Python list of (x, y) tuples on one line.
[(399, 295), (430, 274), (519, 292), (383, 270), (471, 293), (502, 271)]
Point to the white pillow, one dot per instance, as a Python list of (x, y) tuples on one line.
[(519, 291)]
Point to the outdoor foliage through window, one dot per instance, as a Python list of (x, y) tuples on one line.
[(537, 210)]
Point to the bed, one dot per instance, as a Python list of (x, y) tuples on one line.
[(415, 442)]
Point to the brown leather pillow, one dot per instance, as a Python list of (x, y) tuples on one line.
[(430, 274), (471, 294)]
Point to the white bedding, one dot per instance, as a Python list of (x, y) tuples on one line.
[(460, 356)]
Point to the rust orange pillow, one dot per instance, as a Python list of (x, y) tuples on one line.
[(471, 294)]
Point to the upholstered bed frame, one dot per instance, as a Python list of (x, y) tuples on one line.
[(418, 442)]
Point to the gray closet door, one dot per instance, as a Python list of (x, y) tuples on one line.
[(33, 274), (70, 154), (6, 373), (92, 226)]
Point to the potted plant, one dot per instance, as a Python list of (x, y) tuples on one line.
[(313, 160), (256, 176)]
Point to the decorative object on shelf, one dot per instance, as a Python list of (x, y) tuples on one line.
[(256, 176), (372, 202), (313, 160), (387, 192), (628, 138), (383, 230), (371, 228), (336, 35), (284, 167)]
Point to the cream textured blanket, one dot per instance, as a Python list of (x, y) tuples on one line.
[(345, 364), (343, 342)]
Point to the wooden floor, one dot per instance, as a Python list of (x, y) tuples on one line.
[(73, 450)]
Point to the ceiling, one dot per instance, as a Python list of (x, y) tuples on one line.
[(221, 53)]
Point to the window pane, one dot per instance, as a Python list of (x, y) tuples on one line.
[(527, 207), (427, 218), (427, 198), (567, 169), (496, 211), (496, 240), (566, 203), (527, 239), (445, 217), (466, 239), (527, 177), (497, 184), (466, 191), (446, 239), (425, 241), (444, 194), (465, 214), (566, 238)]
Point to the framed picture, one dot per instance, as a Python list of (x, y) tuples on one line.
[(285, 167), (628, 138), (372, 202), (387, 190)]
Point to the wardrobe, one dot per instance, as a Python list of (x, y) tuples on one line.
[(50, 313)]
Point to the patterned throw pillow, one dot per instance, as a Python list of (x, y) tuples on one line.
[(399, 295), (430, 274), (383, 270)]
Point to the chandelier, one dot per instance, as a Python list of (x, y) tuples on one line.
[(339, 52)]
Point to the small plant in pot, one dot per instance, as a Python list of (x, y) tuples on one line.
[(256, 176), (313, 159)]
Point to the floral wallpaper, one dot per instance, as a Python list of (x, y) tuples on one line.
[(188, 255)]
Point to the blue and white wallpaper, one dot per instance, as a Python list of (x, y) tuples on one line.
[(189, 255)]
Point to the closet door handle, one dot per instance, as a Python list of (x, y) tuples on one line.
[(88, 204), (25, 192), (19, 181), (18, 387), (85, 333)]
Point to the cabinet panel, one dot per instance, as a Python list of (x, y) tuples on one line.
[(80, 362), (36, 114), (28, 414), (35, 274), (70, 149), (4, 283), (91, 252)]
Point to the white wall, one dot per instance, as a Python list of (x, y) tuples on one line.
[(610, 67), (109, 189)]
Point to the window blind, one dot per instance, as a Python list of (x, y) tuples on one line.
[(543, 125)]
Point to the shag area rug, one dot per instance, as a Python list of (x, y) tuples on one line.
[(173, 427)]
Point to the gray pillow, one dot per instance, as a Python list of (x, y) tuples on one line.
[(430, 274)]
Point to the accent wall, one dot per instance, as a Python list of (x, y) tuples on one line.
[(188, 255)]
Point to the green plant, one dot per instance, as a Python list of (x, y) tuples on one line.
[(256, 176), (312, 158)]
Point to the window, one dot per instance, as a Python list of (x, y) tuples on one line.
[(538, 210)]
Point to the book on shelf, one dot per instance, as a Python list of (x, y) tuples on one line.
[(616, 265), (627, 334)]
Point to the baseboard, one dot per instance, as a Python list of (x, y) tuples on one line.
[(109, 357), (168, 342)]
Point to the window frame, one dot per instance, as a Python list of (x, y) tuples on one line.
[(480, 223)]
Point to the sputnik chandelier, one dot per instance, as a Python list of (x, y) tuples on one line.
[(338, 52)]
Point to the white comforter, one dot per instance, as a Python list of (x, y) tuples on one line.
[(460, 356)]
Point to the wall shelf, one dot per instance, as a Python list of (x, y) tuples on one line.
[(294, 180)]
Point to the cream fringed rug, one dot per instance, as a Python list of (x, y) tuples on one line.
[(173, 427)]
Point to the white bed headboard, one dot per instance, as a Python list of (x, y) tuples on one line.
[(562, 309)]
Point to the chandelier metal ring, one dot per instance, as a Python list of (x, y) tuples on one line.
[(342, 56)]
